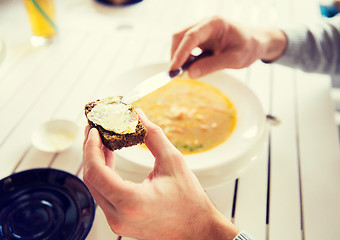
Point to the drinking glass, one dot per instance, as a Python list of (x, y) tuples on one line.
[(41, 14)]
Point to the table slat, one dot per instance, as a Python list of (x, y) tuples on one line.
[(252, 190), (284, 177), (319, 158)]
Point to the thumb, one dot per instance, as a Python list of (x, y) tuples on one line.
[(230, 59), (93, 144)]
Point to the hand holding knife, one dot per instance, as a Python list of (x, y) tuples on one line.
[(151, 84)]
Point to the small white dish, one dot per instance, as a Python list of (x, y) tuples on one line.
[(55, 135)]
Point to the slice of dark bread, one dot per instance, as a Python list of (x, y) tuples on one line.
[(115, 141)]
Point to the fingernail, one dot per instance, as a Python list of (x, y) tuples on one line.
[(140, 113), (195, 73)]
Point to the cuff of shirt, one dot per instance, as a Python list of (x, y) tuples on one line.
[(294, 39), (244, 236)]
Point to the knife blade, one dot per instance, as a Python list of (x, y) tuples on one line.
[(153, 83)]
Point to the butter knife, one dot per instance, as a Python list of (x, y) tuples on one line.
[(151, 84)]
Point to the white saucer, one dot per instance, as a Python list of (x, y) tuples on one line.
[(55, 135), (225, 161)]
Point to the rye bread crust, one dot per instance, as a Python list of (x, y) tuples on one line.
[(115, 141)]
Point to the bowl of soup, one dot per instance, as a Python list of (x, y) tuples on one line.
[(216, 121), (195, 116)]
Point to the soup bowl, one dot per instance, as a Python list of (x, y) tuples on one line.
[(222, 163)]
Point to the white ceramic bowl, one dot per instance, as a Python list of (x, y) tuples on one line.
[(55, 135), (223, 162)]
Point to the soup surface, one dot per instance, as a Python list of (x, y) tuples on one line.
[(194, 116)]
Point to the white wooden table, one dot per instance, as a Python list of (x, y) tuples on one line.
[(292, 192)]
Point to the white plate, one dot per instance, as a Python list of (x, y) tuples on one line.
[(224, 161), (55, 135)]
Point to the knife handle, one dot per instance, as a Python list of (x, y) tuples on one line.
[(189, 62), (192, 58)]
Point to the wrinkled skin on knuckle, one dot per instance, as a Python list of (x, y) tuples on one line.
[(217, 18), (242, 61), (178, 170), (192, 36), (127, 206), (154, 130), (175, 36), (217, 21)]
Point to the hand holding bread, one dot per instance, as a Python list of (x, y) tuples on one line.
[(169, 204)]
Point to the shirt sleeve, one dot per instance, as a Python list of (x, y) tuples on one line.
[(314, 48), (244, 236)]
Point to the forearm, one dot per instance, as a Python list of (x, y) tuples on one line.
[(313, 48)]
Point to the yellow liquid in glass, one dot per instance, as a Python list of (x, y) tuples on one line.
[(40, 26)]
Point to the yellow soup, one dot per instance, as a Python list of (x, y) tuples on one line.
[(194, 116)]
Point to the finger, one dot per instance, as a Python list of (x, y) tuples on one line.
[(155, 139), (206, 66), (101, 200), (109, 158), (98, 174), (192, 38), (87, 130), (86, 133), (108, 154), (110, 211), (229, 59), (183, 51), (159, 145), (177, 38)]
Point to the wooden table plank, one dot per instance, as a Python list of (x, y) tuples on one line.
[(35, 159), (222, 196), (319, 158), (71, 159), (49, 98), (252, 190), (284, 167), (69, 113), (89, 80), (37, 85)]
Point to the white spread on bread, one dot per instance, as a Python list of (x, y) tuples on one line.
[(113, 115)]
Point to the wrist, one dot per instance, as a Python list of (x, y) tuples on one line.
[(210, 224), (273, 43), (205, 223), (220, 228)]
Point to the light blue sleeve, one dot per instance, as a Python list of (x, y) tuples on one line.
[(314, 48)]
